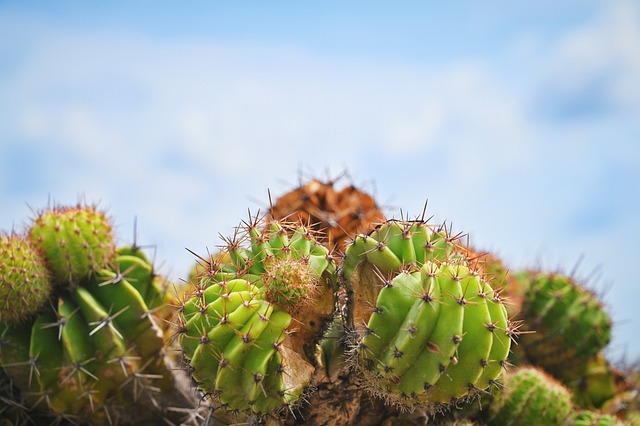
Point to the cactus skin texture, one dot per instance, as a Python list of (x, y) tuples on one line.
[(571, 324), (530, 397), (133, 263), (591, 418), (76, 242), (339, 214), (437, 332), (25, 285), (251, 321)]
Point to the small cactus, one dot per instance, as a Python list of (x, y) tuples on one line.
[(571, 325), (531, 397), (76, 242), (25, 285), (592, 418)]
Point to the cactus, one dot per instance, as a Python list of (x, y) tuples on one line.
[(25, 285), (252, 320), (591, 418), (436, 332), (338, 214), (76, 242), (96, 347), (593, 382), (86, 347), (531, 397), (570, 324)]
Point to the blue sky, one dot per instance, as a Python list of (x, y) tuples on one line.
[(517, 121)]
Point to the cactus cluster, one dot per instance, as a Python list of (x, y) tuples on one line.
[(92, 344), (323, 312), (248, 323)]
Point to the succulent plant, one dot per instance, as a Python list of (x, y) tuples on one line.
[(95, 348), (592, 418), (436, 331), (25, 285), (571, 325), (531, 397), (251, 321), (76, 241)]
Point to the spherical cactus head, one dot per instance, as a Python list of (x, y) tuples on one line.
[(25, 285), (434, 329), (531, 397), (571, 325), (76, 241), (253, 316), (289, 283)]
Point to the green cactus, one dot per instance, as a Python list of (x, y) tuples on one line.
[(570, 324), (24, 280), (90, 343), (437, 331), (530, 397), (76, 242), (593, 382), (96, 347), (153, 287), (250, 324), (591, 418)]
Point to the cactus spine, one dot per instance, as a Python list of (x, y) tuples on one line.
[(570, 323)]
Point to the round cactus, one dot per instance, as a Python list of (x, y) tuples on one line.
[(531, 397), (570, 324), (24, 280), (436, 330), (76, 242), (251, 321), (339, 214)]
